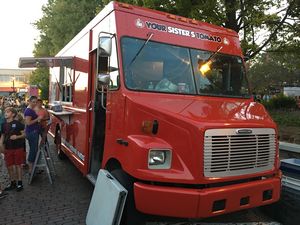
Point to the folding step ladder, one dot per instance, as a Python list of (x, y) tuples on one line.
[(43, 160)]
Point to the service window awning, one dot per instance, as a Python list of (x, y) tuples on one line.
[(7, 89), (32, 62)]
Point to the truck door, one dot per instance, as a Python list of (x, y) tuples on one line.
[(106, 65), (97, 118)]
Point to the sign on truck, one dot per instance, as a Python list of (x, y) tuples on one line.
[(163, 103)]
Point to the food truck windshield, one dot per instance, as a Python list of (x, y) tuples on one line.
[(160, 67)]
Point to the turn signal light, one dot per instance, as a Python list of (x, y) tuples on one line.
[(147, 126), (150, 127)]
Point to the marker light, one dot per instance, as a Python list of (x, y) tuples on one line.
[(205, 67), (125, 5), (193, 21), (226, 41), (182, 19), (170, 16)]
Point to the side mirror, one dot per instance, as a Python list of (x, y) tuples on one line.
[(105, 45), (103, 79)]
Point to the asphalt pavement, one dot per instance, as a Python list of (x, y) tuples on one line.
[(66, 201)]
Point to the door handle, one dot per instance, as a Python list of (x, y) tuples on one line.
[(90, 105)]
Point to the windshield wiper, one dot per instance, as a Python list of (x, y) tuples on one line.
[(140, 50), (214, 53)]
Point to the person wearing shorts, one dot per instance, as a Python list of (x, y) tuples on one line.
[(12, 141)]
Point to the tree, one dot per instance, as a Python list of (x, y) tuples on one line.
[(62, 20), (273, 70), (40, 77), (288, 40)]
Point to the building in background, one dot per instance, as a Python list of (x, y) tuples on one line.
[(293, 92), (14, 81)]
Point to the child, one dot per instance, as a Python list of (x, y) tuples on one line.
[(12, 140)]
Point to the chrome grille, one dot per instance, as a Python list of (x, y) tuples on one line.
[(229, 153)]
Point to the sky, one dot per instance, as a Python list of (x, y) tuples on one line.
[(17, 33)]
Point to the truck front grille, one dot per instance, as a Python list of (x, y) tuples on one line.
[(228, 153)]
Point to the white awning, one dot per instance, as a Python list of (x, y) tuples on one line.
[(32, 62)]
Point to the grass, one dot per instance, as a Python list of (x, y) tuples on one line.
[(288, 123), (286, 118)]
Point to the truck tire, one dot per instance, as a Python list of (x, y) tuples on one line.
[(130, 214)]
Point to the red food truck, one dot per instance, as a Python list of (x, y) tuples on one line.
[(163, 102)]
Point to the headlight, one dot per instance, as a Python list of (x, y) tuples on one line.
[(159, 159)]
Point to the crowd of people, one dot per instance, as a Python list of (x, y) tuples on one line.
[(20, 120)]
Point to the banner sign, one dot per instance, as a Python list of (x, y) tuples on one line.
[(177, 31)]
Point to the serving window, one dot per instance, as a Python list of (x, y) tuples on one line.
[(67, 84)]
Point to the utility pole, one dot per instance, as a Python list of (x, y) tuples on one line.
[(13, 81)]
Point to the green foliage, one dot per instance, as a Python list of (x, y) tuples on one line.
[(273, 70), (40, 77), (288, 36), (286, 118), (43, 47), (281, 102), (61, 21)]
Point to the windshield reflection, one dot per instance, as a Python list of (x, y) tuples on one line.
[(167, 68)]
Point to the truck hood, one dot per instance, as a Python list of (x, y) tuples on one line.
[(203, 109), (183, 121)]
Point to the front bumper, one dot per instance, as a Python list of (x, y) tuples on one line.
[(202, 203)]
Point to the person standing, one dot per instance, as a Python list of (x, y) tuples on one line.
[(32, 130), (45, 120), (12, 140)]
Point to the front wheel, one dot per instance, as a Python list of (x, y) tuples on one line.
[(130, 215)]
